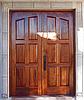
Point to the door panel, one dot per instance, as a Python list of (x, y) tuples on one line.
[(64, 77), (64, 53), (33, 27), (52, 53), (26, 51), (58, 48), (41, 53), (64, 28)]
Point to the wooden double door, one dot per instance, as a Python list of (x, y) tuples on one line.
[(42, 53)]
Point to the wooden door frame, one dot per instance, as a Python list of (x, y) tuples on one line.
[(35, 10)]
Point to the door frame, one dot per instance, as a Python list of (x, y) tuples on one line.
[(35, 10)]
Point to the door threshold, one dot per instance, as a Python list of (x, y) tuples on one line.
[(44, 97)]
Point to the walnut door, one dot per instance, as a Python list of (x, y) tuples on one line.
[(58, 54), (26, 55), (41, 53)]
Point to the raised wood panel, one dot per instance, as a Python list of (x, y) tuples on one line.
[(27, 76), (41, 65), (22, 91), (64, 28), (33, 27), (33, 74), (51, 24), (63, 90), (52, 53), (20, 29), (64, 53), (52, 77), (64, 77), (33, 53), (20, 82), (20, 53)]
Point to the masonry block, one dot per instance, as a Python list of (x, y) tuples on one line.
[(5, 42), (5, 65), (0, 74), (22, 5), (5, 88), (0, 28), (61, 5), (42, 5)]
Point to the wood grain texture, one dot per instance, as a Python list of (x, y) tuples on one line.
[(41, 53)]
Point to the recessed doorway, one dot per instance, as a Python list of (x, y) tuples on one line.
[(42, 53)]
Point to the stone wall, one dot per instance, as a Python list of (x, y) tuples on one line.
[(4, 37)]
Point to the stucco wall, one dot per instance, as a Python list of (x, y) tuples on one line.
[(4, 37)]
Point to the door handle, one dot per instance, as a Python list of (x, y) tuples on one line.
[(58, 36), (35, 75), (44, 58)]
